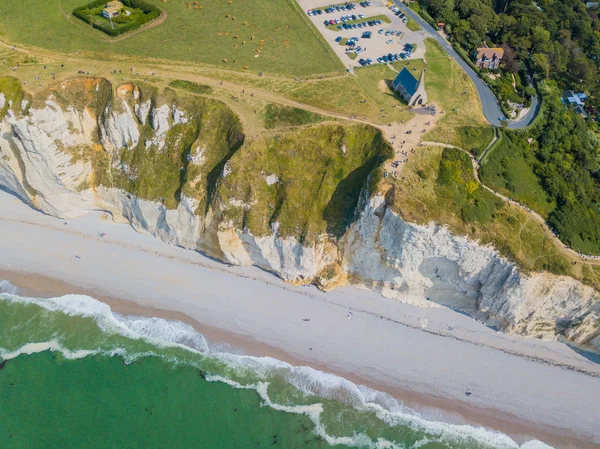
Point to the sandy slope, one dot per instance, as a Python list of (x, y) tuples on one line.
[(516, 385)]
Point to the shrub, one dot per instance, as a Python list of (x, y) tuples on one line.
[(91, 14)]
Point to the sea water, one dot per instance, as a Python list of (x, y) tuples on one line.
[(73, 374)]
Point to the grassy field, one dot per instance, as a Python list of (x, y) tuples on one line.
[(507, 171), (439, 186), (450, 87), (383, 18), (462, 123), (278, 116), (130, 17), (272, 36), (412, 25)]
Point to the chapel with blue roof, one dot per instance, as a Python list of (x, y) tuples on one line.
[(412, 90)]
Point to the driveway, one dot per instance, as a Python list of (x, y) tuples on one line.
[(378, 44), (489, 103)]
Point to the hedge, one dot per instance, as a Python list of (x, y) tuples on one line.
[(151, 12)]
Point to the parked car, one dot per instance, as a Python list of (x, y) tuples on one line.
[(366, 35), (339, 38)]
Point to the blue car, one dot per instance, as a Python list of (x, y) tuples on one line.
[(339, 38)]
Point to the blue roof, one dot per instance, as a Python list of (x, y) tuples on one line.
[(406, 80)]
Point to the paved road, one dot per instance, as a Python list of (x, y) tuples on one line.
[(489, 104)]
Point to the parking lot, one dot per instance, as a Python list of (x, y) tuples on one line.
[(375, 47)]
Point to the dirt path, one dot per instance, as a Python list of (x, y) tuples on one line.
[(594, 260), (396, 133)]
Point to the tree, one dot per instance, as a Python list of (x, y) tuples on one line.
[(542, 64), (509, 59)]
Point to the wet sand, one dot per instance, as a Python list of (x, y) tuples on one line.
[(518, 386)]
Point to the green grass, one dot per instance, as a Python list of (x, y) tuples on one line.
[(412, 25), (439, 186), (12, 92), (474, 139), (133, 15), (376, 81), (190, 86), (507, 170), (319, 173), (459, 190), (450, 88), (353, 56), (278, 116), (292, 46), (382, 17)]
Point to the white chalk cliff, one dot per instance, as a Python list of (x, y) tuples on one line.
[(424, 265)]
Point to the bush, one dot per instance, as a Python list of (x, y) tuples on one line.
[(195, 88), (276, 116), (458, 189)]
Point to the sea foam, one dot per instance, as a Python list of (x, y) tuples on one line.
[(8, 288), (164, 333)]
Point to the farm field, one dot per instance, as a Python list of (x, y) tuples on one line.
[(273, 36)]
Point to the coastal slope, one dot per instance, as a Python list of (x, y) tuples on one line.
[(303, 205)]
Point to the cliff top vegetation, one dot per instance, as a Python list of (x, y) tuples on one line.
[(229, 35)]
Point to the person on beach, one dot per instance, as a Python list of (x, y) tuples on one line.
[(349, 315)]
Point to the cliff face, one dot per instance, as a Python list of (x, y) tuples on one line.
[(179, 169)]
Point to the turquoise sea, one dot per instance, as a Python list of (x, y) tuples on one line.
[(73, 374)]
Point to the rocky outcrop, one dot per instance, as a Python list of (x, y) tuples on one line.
[(52, 155)]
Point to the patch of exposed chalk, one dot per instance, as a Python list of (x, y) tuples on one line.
[(272, 179)]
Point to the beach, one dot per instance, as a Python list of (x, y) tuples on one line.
[(436, 361)]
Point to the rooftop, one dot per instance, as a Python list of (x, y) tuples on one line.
[(490, 53), (407, 80)]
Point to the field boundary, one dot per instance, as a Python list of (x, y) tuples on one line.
[(317, 34), (112, 40)]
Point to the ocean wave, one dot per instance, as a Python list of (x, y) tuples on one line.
[(259, 373), (8, 288)]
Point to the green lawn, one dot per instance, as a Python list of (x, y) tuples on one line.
[(376, 79), (412, 25), (279, 116), (439, 186), (129, 18), (507, 171), (383, 18), (474, 139), (272, 36)]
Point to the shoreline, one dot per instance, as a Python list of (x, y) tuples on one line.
[(40, 286), (252, 310)]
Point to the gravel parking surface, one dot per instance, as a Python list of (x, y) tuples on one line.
[(378, 44)]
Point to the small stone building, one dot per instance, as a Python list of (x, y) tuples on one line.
[(409, 88), (112, 9)]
